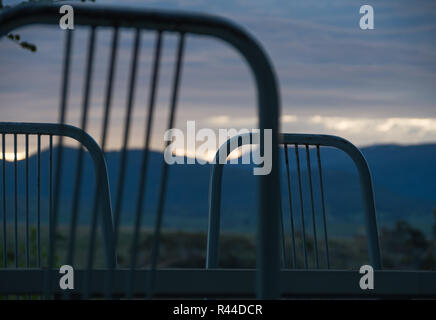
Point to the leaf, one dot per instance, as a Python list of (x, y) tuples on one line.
[(29, 46)]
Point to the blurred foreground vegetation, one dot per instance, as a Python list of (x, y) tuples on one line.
[(403, 247)]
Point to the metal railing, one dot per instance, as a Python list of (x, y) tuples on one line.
[(162, 22), (296, 140), (102, 207), (270, 281), (214, 282)]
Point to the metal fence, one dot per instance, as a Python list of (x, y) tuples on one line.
[(296, 141), (101, 208), (268, 281), (182, 25)]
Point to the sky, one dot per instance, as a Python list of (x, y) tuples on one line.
[(368, 86)]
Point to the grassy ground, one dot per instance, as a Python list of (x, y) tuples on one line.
[(403, 247)]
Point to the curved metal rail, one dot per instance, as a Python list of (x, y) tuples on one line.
[(96, 16), (101, 178), (294, 139)]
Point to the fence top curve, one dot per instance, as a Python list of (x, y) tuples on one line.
[(58, 130), (300, 139)]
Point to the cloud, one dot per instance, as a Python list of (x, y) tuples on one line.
[(359, 125), (289, 118), (333, 78), (227, 121), (423, 125), (366, 131)]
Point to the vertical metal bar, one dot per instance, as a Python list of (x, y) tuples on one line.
[(215, 187), (38, 229), (16, 204), (5, 259), (309, 171), (66, 75), (62, 116), (90, 258), (321, 185), (291, 213), (143, 172), (282, 231), (79, 162), (121, 176), (107, 104), (303, 228), (368, 203), (122, 167), (27, 203), (268, 262), (102, 202), (109, 85), (15, 200), (79, 166), (50, 186), (163, 183)]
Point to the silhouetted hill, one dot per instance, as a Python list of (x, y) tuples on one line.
[(404, 179)]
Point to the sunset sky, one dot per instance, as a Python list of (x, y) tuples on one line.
[(371, 87)]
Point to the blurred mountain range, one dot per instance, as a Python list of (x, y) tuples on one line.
[(404, 183)]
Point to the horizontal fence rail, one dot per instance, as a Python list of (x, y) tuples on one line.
[(237, 283)]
